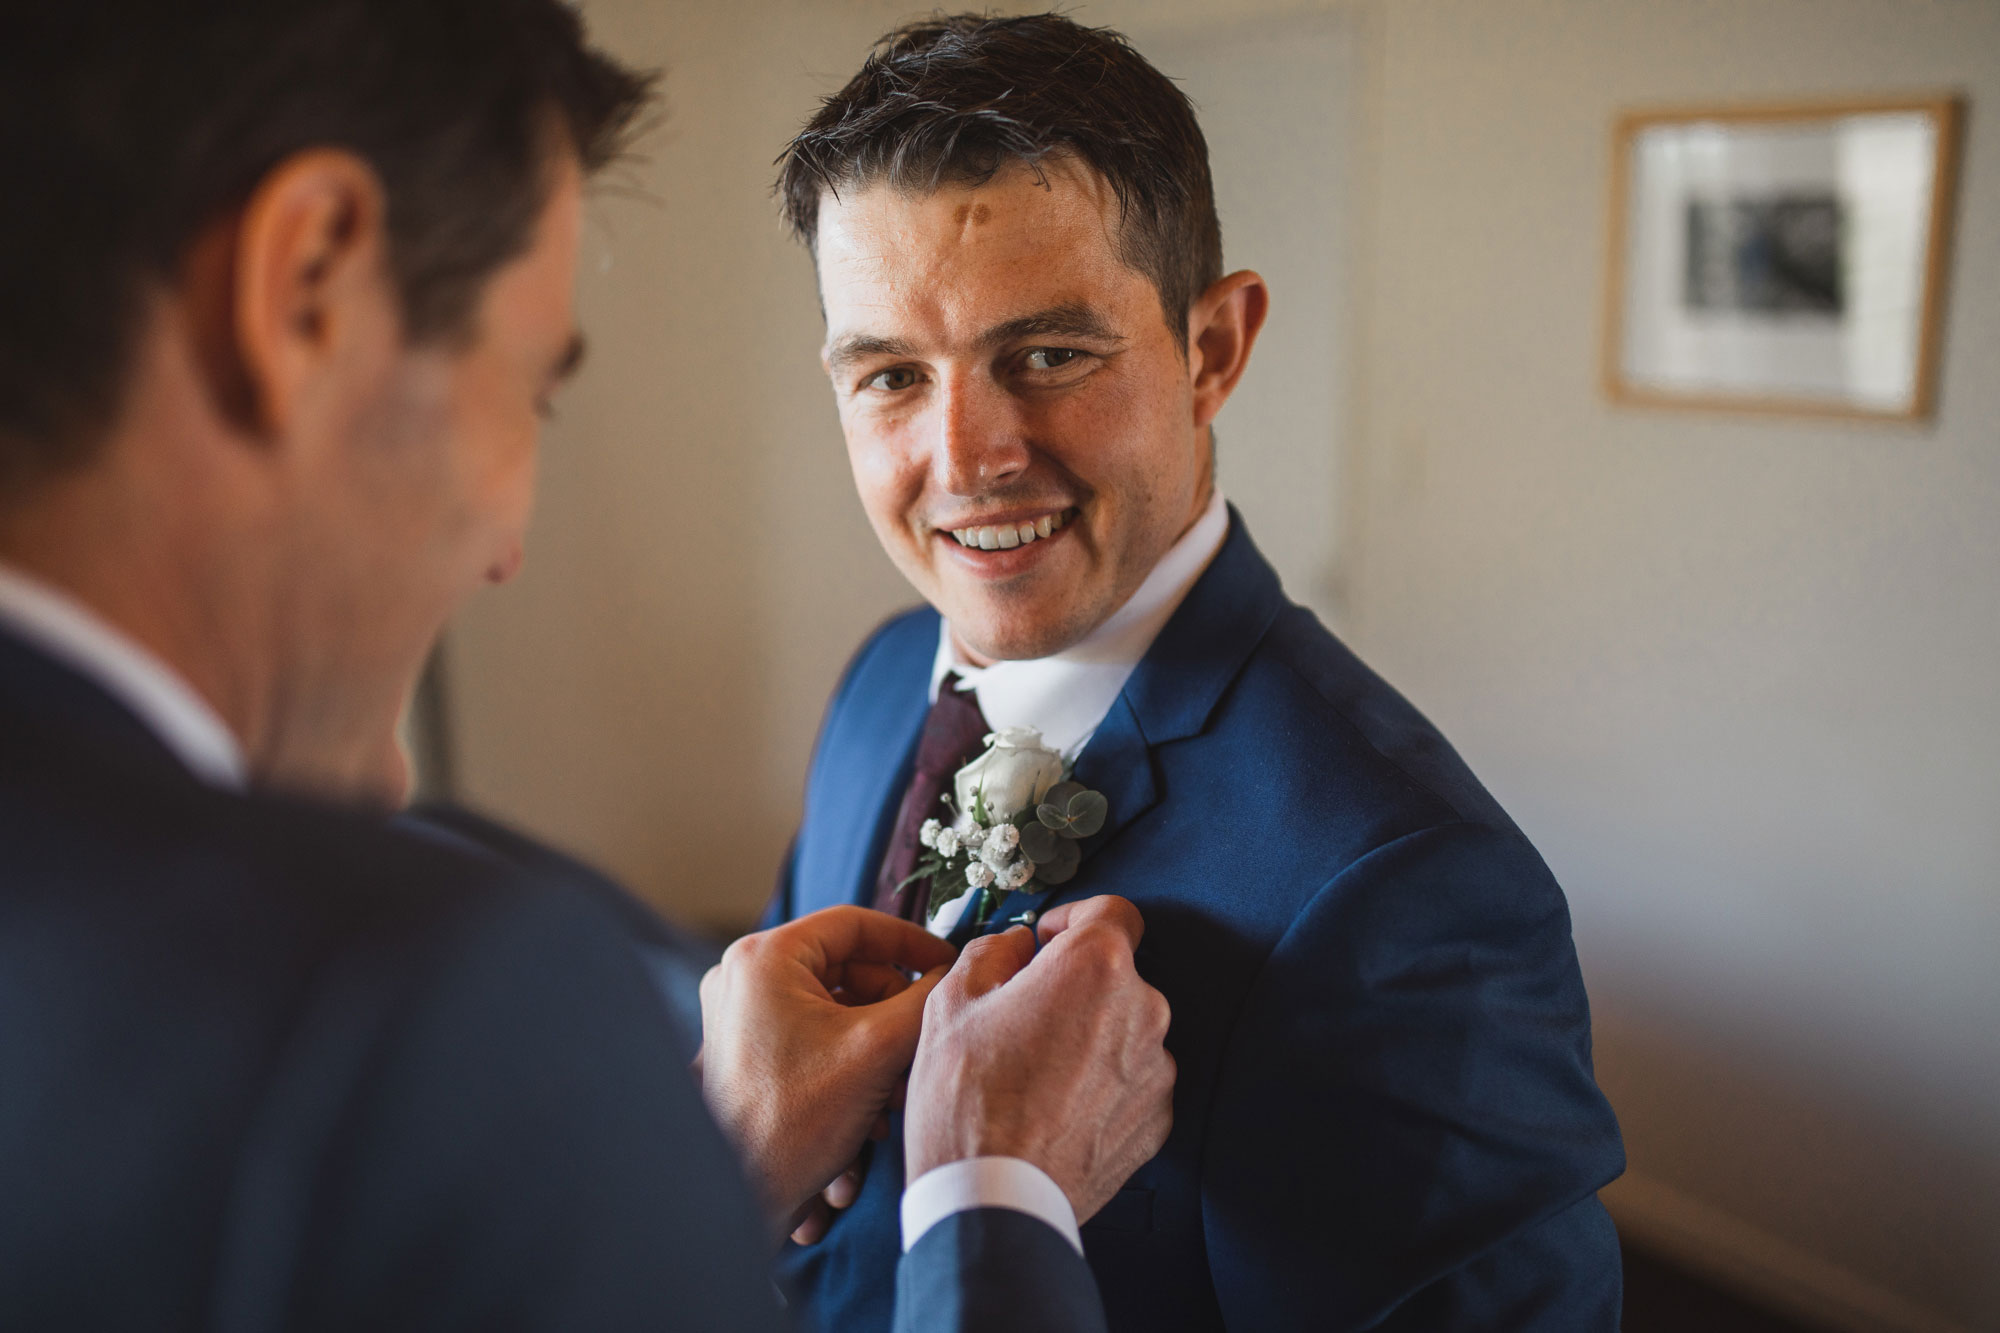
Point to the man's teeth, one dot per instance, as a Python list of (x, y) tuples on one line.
[(1007, 536)]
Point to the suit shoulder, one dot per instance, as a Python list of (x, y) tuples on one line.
[(903, 636), (1301, 666), (93, 851)]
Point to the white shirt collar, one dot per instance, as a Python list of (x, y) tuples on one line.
[(1066, 695), (76, 636)]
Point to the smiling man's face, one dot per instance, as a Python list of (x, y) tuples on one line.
[(1023, 426)]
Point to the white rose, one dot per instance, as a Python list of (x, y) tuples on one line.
[(946, 843), (1014, 773), (928, 834), (978, 875)]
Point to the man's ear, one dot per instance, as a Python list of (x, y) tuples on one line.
[(311, 282), (1222, 327)]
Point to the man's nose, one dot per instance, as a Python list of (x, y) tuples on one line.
[(980, 442)]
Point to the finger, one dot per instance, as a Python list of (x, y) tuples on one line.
[(895, 1024), (1105, 910), (866, 983), (844, 1190), (991, 961), (836, 937), (814, 1227)]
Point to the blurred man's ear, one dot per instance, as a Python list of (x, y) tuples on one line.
[(309, 301), (1222, 327)]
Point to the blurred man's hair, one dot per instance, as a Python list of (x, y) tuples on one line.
[(954, 100), (131, 125)]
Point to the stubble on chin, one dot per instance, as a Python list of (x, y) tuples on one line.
[(1002, 633)]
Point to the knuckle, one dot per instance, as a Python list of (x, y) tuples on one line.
[(1100, 953), (1159, 1014)]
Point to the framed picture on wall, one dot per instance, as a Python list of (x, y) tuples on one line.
[(1783, 259)]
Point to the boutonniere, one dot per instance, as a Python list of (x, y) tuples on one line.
[(1016, 820)]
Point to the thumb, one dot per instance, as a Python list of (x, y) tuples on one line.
[(991, 961), (898, 1021)]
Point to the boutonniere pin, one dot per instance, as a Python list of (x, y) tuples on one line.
[(1016, 820)]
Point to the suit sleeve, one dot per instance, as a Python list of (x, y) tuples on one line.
[(994, 1270), (1407, 1133), (521, 1148)]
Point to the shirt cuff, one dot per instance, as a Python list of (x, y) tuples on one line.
[(986, 1182)]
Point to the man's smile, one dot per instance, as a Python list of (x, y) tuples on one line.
[(1007, 531), (1002, 546)]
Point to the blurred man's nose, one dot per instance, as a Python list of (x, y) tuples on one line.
[(979, 443)]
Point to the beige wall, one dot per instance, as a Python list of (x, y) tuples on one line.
[(1735, 676)]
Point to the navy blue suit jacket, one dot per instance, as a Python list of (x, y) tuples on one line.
[(270, 1064), (1385, 1115)]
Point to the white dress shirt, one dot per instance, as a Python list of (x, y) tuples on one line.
[(1064, 696), (80, 639)]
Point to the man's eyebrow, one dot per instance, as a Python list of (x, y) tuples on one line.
[(572, 358), (851, 347), (1072, 319)]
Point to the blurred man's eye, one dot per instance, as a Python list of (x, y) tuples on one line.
[(1051, 358), (894, 380)]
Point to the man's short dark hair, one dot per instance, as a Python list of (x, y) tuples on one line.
[(131, 125), (953, 100)]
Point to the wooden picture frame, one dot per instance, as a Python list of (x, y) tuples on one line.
[(1781, 259)]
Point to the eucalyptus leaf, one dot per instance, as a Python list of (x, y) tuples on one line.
[(1039, 842), (1060, 794), (1087, 812), (1063, 866)]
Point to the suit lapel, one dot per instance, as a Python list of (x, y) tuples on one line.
[(867, 756)]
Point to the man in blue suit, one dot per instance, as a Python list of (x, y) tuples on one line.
[(282, 289), (1385, 1116)]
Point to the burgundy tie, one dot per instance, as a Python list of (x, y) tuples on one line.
[(953, 734)]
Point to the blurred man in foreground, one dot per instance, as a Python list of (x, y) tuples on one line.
[(283, 290)]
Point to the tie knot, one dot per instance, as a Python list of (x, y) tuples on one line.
[(953, 732)]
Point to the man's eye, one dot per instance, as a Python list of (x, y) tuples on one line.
[(894, 380), (1051, 358)]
